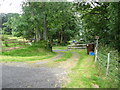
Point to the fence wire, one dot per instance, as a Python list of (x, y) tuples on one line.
[(113, 65)]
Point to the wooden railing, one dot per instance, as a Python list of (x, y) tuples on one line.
[(13, 42), (77, 46)]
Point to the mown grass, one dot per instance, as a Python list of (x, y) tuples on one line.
[(29, 53), (86, 74), (23, 59)]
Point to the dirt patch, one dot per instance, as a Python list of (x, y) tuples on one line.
[(71, 62)]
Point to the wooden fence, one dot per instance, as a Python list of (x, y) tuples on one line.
[(77, 46), (14, 42)]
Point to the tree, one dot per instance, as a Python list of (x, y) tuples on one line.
[(101, 20), (6, 18), (45, 21)]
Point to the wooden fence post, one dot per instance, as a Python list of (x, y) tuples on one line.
[(96, 51), (96, 55), (108, 64)]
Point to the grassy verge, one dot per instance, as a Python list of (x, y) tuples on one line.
[(79, 77), (113, 74), (86, 74), (26, 54), (23, 59)]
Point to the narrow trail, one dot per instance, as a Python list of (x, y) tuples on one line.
[(37, 74)]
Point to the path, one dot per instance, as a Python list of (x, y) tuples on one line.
[(26, 75)]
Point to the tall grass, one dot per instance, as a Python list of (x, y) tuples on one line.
[(113, 73)]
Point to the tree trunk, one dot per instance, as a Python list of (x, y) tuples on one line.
[(38, 34), (45, 28), (59, 35), (61, 38)]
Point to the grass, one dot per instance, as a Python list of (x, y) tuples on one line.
[(59, 47), (113, 76), (66, 55), (86, 74), (81, 73), (23, 59), (29, 53)]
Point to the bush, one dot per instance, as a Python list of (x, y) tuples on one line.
[(105, 49), (43, 44)]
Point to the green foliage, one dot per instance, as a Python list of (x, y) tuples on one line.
[(6, 43), (8, 22), (45, 21), (4, 37), (113, 75), (62, 21), (100, 19), (43, 44)]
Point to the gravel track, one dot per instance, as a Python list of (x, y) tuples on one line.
[(24, 76)]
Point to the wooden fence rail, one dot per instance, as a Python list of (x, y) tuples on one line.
[(78, 46), (15, 43)]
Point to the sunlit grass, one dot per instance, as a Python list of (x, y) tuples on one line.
[(30, 53), (23, 59), (66, 55)]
